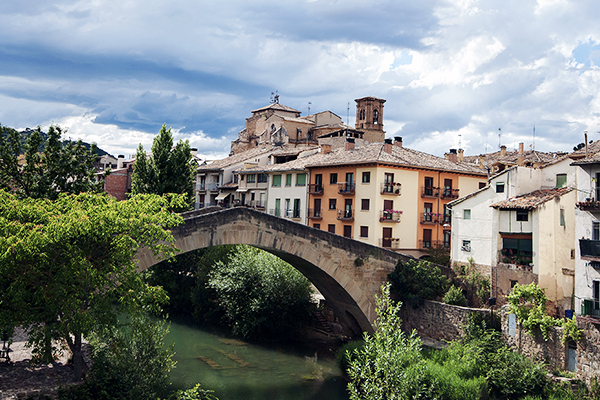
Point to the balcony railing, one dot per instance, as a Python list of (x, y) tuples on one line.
[(315, 213), (589, 205), (391, 188), (516, 257), (389, 243), (389, 216), (430, 218), (207, 186), (275, 211), (345, 215), (255, 204), (427, 244), (346, 188), (450, 193), (589, 249), (447, 221), (430, 191), (315, 188), (292, 213)]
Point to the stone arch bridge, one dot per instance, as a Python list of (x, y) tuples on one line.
[(331, 262)]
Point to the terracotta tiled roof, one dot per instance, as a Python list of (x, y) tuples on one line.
[(511, 157), (276, 106), (531, 200), (230, 185), (234, 159)]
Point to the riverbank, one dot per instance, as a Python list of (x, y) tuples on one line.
[(20, 380)]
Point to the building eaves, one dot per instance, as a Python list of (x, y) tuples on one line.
[(531, 200), (461, 199), (276, 106)]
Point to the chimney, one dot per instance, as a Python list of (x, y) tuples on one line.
[(349, 144), (120, 160), (325, 148), (387, 146), (398, 141), (481, 160), (452, 156), (461, 155), (502, 151), (194, 151), (521, 148)]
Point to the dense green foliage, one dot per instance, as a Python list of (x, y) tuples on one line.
[(262, 296), (416, 280), (475, 285), (63, 167), (391, 364), (64, 264), (438, 254), (168, 170), (455, 297), (528, 303)]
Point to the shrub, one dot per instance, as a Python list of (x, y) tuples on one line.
[(347, 353), (417, 280), (455, 296)]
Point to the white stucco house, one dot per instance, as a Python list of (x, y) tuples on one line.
[(521, 229)]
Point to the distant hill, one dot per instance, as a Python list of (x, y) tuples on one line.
[(25, 134)]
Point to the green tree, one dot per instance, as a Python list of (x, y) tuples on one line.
[(414, 280), (168, 170), (262, 295), (63, 167), (65, 264)]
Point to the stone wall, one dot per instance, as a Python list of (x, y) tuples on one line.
[(436, 320)]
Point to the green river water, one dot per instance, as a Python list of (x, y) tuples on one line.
[(236, 370)]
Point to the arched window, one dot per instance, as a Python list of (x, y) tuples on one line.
[(375, 117), (361, 115)]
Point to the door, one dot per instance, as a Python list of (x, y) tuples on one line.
[(447, 188), (317, 210), (350, 181), (348, 208), (388, 183), (318, 182), (348, 231), (388, 209), (387, 237), (428, 191), (426, 238), (278, 207)]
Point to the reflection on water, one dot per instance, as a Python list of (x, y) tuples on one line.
[(238, 370)]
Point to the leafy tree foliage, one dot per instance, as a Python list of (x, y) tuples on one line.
[(416, 280), (168, 170), (455, 296), (63, 167), (64, 264), (475, 285), (262, 296)]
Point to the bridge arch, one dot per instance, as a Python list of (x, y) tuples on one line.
[(331, 262)]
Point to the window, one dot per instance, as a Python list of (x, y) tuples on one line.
[(522, 215), (263, 178), (276, 180), (466, 245), (366, 177), (561, 180), (446, 239), (481, 185), (348, 231), (596, 294), (427, 212), (235, 178), (332, 204), (331, 228), (428, 186), (301, 180), (426, 238), (251, 178), (242, 178), (364, 231), (595, 230), (466, 214), (277, 207), (562, 217), (288, 179), (288, 211), (333, 178), (500, 187), (375, 117), (513, 283), (317, 226), (296, 211), (365, 203)]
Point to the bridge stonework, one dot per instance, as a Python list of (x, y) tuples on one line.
[(331, 262)]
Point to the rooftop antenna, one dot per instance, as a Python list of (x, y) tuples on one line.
[(533, 147), (274, 97), (460, 141), (499, 137), (309, 104), (348, 114)]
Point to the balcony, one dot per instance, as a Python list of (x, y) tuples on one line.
[(345, 215), (430, 191), (428, 244), (260, 205), (589, 205), (389, 216), (589, 249), (430, 218), (346, 188), (448, 193), (518, 258), (447, 221), (389, 243), (391, 188), (315, 188), (315, 213), (207, 186), (293, 213)]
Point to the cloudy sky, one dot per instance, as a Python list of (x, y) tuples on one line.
[(453, 72)]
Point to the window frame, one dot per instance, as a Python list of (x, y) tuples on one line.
[(366, 177)]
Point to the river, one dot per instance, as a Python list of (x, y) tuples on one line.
[(237, 370)]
